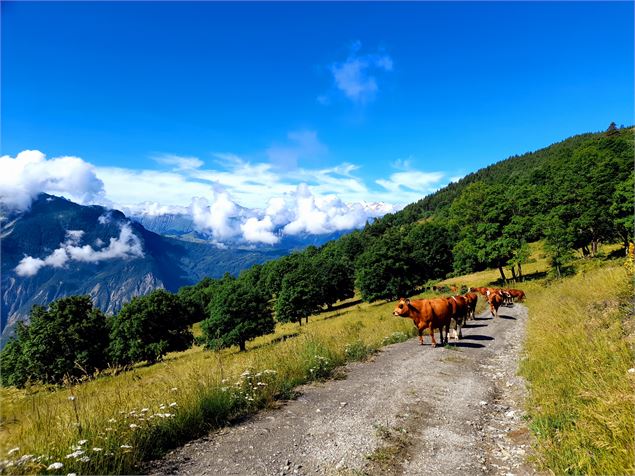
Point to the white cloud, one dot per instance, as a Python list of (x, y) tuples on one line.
[(29, 173), (126, 245), (179, 162), (355, 76), (259, 231), (421, 182), (219, 217)]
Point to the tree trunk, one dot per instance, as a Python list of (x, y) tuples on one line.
[(594, 247), (514, 273), (241, 345), (502, 272), (558, 271), (520, 272)]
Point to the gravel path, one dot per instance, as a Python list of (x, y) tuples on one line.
[(409, 410)]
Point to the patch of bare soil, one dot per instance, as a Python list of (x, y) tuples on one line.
[(409, 410)]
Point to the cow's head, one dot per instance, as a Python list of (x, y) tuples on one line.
[(403, 308)]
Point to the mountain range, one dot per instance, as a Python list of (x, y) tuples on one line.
[(58, 248)]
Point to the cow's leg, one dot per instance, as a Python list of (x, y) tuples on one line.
[(459, 325), (431, 329), (420, 336)]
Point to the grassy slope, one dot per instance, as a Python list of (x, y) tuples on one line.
[(210, 389)]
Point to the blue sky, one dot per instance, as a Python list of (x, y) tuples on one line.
[(368, 101)]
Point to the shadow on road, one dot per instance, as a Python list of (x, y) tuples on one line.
[(471, 345), (478, 337), (473, 326), (507, 317)]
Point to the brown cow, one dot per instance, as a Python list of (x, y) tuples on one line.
[(472, 299), (483, 291), (495, 301), (459, 314), (517, 294), (428, 314)]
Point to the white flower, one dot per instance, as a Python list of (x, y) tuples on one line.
[(97, 449), (125, 446), (112, 420), (133, 426), (13, 450), (261, 384), (143, 410), (72, 398), (173, 389), (173, 404), (75, 454), (246, 373), (162, 406), (71, 474), (84, 459), (55, 466), (82, 442), (109, 429)]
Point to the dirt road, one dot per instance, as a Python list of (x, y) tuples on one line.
[(409, 410)]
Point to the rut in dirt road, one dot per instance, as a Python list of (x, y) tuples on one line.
[(409, 410)]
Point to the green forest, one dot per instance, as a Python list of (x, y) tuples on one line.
[(573, 195)]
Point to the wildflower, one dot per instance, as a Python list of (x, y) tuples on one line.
[(84, 459), (224, 389), (55, 466), (162, 406), (261, 384), (143, 410), (24, 459), (173, 389), (72, 398), (13, 450), (225, 380), (75, 454), (133, 426), (126, 447), (71, 474), (269, 371), (82, 442), (173, 404), (246, 373), (112, 420), (97, 449), (109, 429)]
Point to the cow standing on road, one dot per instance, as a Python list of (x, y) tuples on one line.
[(428, 314)]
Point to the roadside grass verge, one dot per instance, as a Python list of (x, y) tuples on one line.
[(110, 424), (577, 356)]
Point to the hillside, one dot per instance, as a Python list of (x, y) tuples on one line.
[(76, 249), (539, 168)]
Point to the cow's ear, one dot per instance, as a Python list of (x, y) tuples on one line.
[(407, 301)]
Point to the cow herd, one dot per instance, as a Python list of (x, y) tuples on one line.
[(440, 313)]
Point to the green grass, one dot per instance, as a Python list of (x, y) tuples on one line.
[(578, 350)]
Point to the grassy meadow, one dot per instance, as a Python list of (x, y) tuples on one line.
[(580, 401)]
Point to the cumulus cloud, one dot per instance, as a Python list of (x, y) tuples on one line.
[(126, 245), (315, 214), (356, 76), (218, 216), (259, 231), (30, 173)]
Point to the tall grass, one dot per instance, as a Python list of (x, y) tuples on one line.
[(110, 424), (578, 352)]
